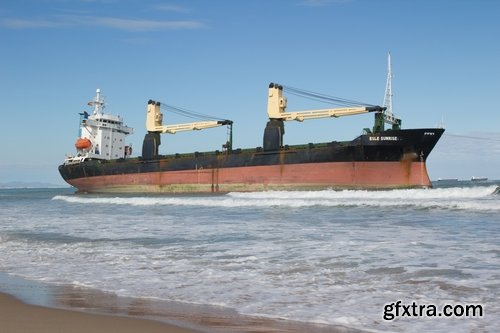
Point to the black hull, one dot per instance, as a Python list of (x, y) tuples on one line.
[(388, 146)]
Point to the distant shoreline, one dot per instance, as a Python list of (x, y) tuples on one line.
[(21, 184)]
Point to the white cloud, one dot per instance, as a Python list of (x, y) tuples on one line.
[(321, 3), (171, 8), (30, 23), (465, 155), (101, 21), (140, 25), (478, 145)]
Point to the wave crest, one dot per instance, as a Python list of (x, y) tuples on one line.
[(464, 198)]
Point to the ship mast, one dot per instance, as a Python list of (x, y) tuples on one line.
[(97, 103), (388, 87), (387, 117)]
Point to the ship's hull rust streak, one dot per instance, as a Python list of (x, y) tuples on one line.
[(368, 175)]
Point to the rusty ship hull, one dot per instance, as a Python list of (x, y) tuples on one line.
[(386, 160)]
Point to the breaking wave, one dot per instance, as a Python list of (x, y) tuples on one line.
[(482, 198)]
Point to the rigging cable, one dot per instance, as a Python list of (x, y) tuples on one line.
[(471, 137), (323, 97), (187, 113)]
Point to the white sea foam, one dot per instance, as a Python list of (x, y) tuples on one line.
[(438, 193), (334, 257), (468, 198)]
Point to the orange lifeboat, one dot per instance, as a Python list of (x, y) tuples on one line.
[(83, 143)]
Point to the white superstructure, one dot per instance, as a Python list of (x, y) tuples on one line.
[(102, 136)]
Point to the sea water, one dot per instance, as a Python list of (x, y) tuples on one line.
[(331, 257)]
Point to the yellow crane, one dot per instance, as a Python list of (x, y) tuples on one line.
[(155, 127), (276, 110), (277, 103), (154, 122)]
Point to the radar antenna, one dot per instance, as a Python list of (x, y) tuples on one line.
[(97, 103)]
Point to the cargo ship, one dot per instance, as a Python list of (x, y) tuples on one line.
[(378, 159)]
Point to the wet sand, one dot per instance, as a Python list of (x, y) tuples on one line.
[(18, 317), (28, 307)]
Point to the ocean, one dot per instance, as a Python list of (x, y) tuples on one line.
[(328, 257)]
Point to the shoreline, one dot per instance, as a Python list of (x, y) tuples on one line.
[(19, 317), (31, 306)]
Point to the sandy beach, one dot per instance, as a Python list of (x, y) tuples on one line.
[(30, 306), (18, 317)]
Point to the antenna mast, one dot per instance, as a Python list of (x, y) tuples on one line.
[(389, 117), (97, 103), (388, 87), (386, 116)]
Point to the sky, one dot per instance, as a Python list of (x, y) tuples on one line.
[(218, 57)]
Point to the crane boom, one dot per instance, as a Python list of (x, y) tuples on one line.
[(154, 122), (196, 126), (155, 127), (277, 104)]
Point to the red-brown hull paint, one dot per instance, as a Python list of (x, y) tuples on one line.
[(375, 175)]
